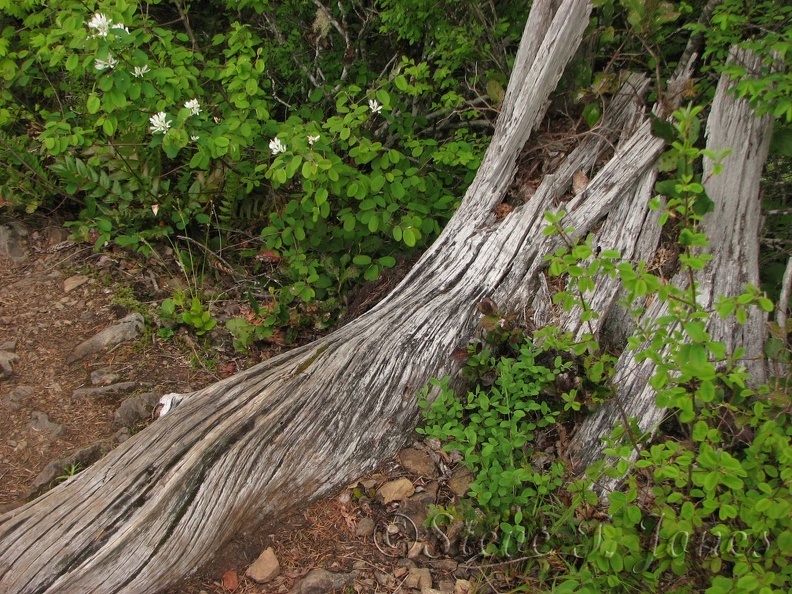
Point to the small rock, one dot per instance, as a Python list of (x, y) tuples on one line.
[(84, 457), (73, 282), (16, 396), (322, 581), (430, 591), (100, 392), (460, 480), (230, 580), (360, 565), (6, 359), (365, 527), (104, 377), (12, 244), (40, 422), (463, 587), (417, 506), (135, 409), (105, 261), (400, 571), (415, 550), (265, 568), (447, 565), (9, 345), (418, 462), (122, 435), (383, 579), (395, 490), (126, 329), (446, 587), (418, 577)]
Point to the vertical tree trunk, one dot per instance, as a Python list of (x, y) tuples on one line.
[(733, 232)]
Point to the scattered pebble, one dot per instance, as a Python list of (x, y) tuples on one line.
[(265, 568)]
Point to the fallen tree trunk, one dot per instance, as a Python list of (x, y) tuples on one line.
[(297, 426)]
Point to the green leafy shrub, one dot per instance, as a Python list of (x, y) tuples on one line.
[(707, 505), (219, 124), (494, 428)]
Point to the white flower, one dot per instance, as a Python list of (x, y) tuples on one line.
[(195, 138), (312, 139), (155, 209), (120, 26), (101, 23), (140, 70), (276, 146), (375, 105), (105, 64), (159, 123), (193, 106)]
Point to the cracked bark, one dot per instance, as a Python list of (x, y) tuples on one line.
[(296, 427)]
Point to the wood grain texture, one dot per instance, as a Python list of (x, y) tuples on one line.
[(733, 232), (298, 426), (295, 427)]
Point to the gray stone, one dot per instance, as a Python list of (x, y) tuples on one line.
[(104, 377), (83, 457), (384, 579), (102, 391), (395, 490), (321, 581), (122, 435), (365, 527), (12, 242), (418, 577), (6, 359), (415, 551), (126, 329), (265, 568), (9, 345), (14, 399), (40, 422), (460, 480), (418, 462), (135, 409), (417, 506), (447, 565)]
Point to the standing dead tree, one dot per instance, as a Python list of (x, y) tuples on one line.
[(297, 426)]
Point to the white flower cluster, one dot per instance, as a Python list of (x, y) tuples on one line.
[(276, 146), (312, 139), (375, 106), (193, 106), (140, 71), (100, 25), (159, 123), (110, 62)]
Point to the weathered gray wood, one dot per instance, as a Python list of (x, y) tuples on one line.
[(292, 428), (733, 231)]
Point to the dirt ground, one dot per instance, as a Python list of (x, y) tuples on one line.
[(61, 294)]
